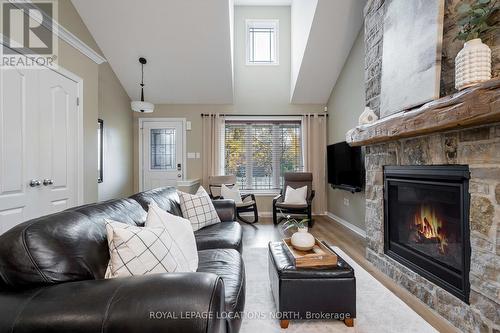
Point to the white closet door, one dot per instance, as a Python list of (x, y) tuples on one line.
[(19, 135), (58, 141)]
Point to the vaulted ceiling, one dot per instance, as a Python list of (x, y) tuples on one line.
[(331, 27), (188, 45)]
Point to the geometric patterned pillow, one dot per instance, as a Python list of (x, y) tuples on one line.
[(140, 250), (179, 227), (198, 209)]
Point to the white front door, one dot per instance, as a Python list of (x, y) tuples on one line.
[(162, 153), (38, 144), (58, 141)]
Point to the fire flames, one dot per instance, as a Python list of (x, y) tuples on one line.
[(430, 227)]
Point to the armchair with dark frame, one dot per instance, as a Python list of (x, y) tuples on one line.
[(248, 204), (294, 180)]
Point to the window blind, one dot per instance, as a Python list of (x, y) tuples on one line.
[(260, 152)]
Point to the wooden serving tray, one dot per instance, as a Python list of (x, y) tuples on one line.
[(319, 256)]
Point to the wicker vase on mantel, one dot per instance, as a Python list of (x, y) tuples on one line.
[(472, 64)]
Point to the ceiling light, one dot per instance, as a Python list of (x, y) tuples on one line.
[(142, 106)]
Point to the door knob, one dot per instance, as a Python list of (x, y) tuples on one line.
[(35, 183), (48, 182)]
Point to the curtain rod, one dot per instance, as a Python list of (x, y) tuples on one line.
[(264, 115)]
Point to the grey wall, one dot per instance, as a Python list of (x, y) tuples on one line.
[(263, 89), (103, 96), (114, 110), (346, 103)]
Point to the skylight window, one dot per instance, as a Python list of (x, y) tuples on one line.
[(262, 42)]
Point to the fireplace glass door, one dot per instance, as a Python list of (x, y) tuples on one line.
[(427, 220), (427, 225)]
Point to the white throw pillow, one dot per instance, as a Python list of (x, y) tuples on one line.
[(296, 196), (179, 228), (141, 250), (231, 193), (198, 209)]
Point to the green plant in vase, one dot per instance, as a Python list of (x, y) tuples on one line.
[(477, 19), (473, 62), (292, 225), (301, 239)]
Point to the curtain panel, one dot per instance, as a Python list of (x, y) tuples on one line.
[(213, 146), (314, 140)]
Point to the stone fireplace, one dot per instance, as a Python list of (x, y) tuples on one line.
[(479, 150), (426, 223), (460, 131)]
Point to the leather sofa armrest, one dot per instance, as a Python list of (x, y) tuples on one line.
[(226, 209), (170, 302)]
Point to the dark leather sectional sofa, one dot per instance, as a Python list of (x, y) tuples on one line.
[(52, 275)]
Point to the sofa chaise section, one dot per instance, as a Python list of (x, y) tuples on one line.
[(52, 277)]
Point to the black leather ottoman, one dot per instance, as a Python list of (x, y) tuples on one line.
[(323, 294)]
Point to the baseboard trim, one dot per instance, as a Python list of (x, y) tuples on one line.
[(347, 224)]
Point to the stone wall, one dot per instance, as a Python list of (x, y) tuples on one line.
[(480, 149), (374, 30)]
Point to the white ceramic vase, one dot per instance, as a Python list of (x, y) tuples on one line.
[(367, 117), (472, 64), (302, 240)]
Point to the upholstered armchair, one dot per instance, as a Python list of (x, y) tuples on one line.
[(248, 203), (294, 180)]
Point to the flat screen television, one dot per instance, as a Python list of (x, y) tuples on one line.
[(345, 167)]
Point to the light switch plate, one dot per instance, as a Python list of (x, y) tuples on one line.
[(191, 155), (188, 125)]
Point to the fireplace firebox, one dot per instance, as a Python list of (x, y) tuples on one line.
[(427, 223)]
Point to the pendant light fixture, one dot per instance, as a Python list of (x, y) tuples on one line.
[(141, 106)]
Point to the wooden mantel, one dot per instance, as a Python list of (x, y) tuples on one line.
[(471, 107)]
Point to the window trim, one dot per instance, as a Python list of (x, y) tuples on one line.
[(260, 192), (276, 22), (260, 117)]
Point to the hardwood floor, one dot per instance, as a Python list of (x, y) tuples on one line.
[(258, 235)]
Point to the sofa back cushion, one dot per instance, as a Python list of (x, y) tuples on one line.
[(124, 210), (63, 247), (165, 197)]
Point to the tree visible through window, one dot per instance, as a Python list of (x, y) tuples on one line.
[(259, 153)]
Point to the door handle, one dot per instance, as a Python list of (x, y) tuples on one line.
[(47, 182), (35, 183)]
